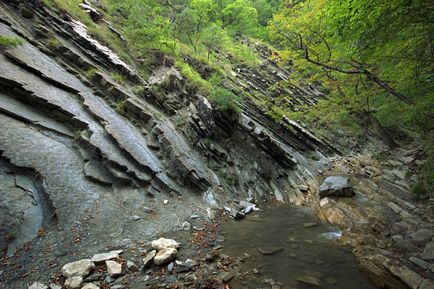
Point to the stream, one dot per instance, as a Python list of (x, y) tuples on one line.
[(289, 247)]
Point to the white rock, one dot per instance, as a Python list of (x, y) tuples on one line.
[(90, 286), (106, 256), (74, 282), (165, 202), (38, 285), (211, 213), (163, 243), (113, 268), (186, 226), (78, 268), (165, 256), (55, 286)]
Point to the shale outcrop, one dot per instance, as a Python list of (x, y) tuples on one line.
[(80, 153)]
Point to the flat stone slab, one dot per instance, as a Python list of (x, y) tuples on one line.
[(113, 268), (428, 252), (106, 256), (337, 186)]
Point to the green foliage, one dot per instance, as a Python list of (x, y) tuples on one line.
[(119, 78), (90, 74), (120, 106), (72, 7), (391, 39), (194, 77), (53, 42), (10, 41), (138, 90), (78, 134), (224, 99)]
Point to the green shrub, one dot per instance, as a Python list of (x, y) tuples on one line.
[(120, 106), (119, 78), (138, 90), (193, 77), (10, 41), (90, 74), (71, 7), (53, 42), (224, 99)]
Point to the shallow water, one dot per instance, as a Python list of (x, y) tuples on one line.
[(305, 251)]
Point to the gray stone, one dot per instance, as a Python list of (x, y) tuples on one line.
[(186, 226), (426, 284), (106, 256), (428, 252), (422, 236), (170, 267), (401, 244), (237, 215), (78, 268), (409, 277), (97, 172), (136, 218), (421, 263), (132, 266), (90, 286), (228, 276), (184, 266), (74, 282), (338, 186), (165, 256), (309, 280), (93, 277), (38, 285), (303, 188), (211, 213), (164, 243), (113, 268), (109, 279), (149, 257)]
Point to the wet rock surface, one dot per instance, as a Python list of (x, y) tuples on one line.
[(389, 231)]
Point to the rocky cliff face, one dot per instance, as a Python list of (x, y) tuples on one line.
[(82, 153)]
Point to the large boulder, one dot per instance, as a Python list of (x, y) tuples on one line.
[(337, 186)]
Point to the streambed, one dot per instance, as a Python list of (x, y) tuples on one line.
[(288, 247)]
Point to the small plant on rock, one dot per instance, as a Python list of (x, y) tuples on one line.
[(91, 73), (54, 43), (224, 99), (7, 41), (138, 90), (119, 78)]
